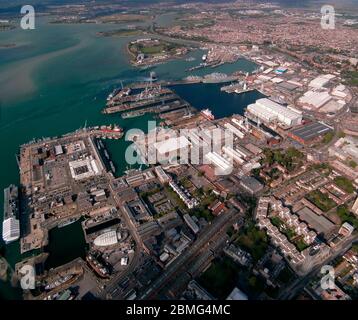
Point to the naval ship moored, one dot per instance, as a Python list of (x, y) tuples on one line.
[(11, 223)]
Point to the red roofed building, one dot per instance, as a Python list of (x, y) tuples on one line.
[(209, 172), (217, 207)]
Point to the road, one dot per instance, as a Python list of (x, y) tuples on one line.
[(113, 282), (211, 231)]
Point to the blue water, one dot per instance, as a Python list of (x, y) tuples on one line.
[(222, 104)]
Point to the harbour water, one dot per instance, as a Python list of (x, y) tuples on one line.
[(208, 95), (56, 79), (65, 245)]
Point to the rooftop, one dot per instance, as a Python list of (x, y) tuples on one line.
[(311, 131)]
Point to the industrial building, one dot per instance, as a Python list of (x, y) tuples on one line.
[(314, 99), (269, 111), (161, 174), (191, 223), (345, 148), (236, 156), (83, 169), (234, 130), (309, 133), (251, 185), (222, 164), (317, 222), (171, 147), (321, 81), (287, 86)]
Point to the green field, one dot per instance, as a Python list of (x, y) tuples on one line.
[(121, 33), (351, 78), (291, 158), (344, 183), (220, 278), (253, 240), (321, 200), (327, 138), (154, 48), (346, 216)]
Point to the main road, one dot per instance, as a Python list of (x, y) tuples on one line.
[(113, 282), (207, 234)]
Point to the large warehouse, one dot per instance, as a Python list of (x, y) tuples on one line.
[(310, 132), (270, 111), (315, 99)]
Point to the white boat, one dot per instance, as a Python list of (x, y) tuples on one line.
[(208, 114)]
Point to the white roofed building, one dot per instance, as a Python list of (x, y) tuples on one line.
[(106, 239), (321, 81), (270, 111), (171, 145), (315, 99)]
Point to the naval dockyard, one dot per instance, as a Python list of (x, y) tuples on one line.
[(72, 179), (145, 227)]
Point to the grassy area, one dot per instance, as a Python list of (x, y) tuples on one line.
[(220, 278), (321, 200), (291, 158), (351, 78), (122, 33), (355, 247), (289, 233), (324, 168), (253, 240), (185, 182), (341, 134), (328, 137), (352, 164), (285, 276), (154, 48), (276, 221), (345, 216), (125, 17), (300, 244), (187, 24), (202, 210), (344, 183), (180, 204)]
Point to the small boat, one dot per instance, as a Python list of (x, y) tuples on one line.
[(112, 167), (208, 114)]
